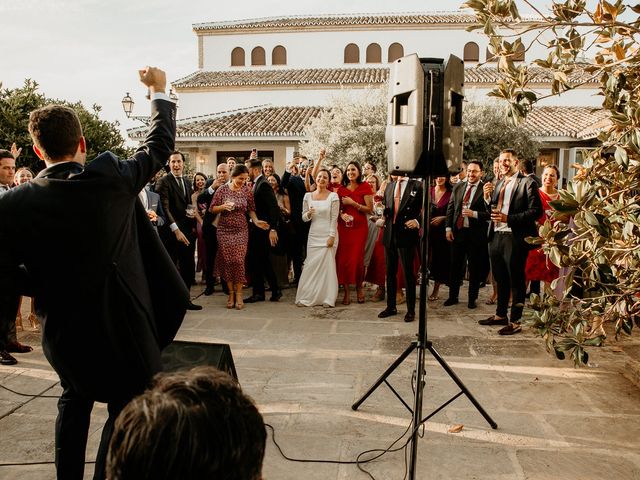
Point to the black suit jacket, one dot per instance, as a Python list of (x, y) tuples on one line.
[(175, 202), (106, 291), (525, 208), (266, 204), (410, 208), (296, 190), (478, 226)]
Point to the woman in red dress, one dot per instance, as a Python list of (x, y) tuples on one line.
[(538, 266), (356, 201), (233, 201), (439, 247)]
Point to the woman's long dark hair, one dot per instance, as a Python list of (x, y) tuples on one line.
[(345, 179)]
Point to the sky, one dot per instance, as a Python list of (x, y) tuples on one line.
[(90, 50)]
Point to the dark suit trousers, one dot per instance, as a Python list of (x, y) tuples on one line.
[(8, 311), (258, 260), (183, 256), (466, 247), (508, 259), (211, 246), (298, 248), (405, 255), (72, 430)]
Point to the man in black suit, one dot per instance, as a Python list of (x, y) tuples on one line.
[(294, 184), (403, 200), (175, 192), (514, 205), (260, 240), (466, 227), (209, 230), (107, 295)]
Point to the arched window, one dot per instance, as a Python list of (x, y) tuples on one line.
[(471, 52), (374, 53), (279, 56), (258, 56), (518, 56), (351, 53), (396, 51), (237, 57)]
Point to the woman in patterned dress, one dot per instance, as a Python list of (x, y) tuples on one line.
[(233, 201)]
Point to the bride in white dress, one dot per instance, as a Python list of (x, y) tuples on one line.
[(318, 283)]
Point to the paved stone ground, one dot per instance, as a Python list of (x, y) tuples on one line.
[(306, 366)]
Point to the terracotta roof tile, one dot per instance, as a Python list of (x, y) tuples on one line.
[(484, 75), (576, 122), (339, 20), (253, 122), (582, 123)]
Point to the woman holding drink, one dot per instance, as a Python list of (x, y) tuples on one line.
[(356, 200), (233, 201)]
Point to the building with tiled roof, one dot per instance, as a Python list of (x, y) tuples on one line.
[(296, 64)]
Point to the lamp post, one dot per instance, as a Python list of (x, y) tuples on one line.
[(128, 103)]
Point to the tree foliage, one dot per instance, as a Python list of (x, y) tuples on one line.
[(487, 132), (596, 232), (351, 128), (15, 107)]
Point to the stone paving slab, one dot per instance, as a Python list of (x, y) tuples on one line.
[(306, 366)]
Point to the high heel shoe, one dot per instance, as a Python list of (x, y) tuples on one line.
[(231, 302), (239, 304), (33, 320), (239, 301), (360, 295), (19, 326)]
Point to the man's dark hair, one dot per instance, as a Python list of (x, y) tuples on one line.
[(254, 163), (191, 425), (475, 162), (509, 150), (5, 153), (526, 166), (56, 131), (178, 152)]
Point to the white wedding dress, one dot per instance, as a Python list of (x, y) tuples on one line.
[(318, 283)]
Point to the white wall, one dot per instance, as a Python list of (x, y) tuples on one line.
[(313, 49)]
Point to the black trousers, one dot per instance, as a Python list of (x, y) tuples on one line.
[(258, 262), (468, 247), (297, 248), (406, 256), (209, 235), (508, 259), (183, 256), (72, 431), (8, 310)]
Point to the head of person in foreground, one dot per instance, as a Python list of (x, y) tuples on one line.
[(194, 425)]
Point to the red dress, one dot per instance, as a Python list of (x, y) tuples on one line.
[(233, 232), (352, 240), (539, 267)]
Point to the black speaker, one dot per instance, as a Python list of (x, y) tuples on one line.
[(424, 127), (182, 355)]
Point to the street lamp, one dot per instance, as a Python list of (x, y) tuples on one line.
[(127, 106)]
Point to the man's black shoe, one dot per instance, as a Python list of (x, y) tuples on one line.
[(277, 295), (208, 291), (254, 299), (510, 329), (17, 347), (450, 301), (6, 358), (409, 317), (472, 304), (387, 312), (492, 320), (193, 306)]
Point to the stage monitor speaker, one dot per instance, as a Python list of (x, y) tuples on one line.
[(186, 355), (424, 129)]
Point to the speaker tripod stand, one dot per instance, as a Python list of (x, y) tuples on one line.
[(422, 345)]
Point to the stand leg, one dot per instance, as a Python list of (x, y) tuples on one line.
[(384, 376), (461, 385), (417, 412)]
